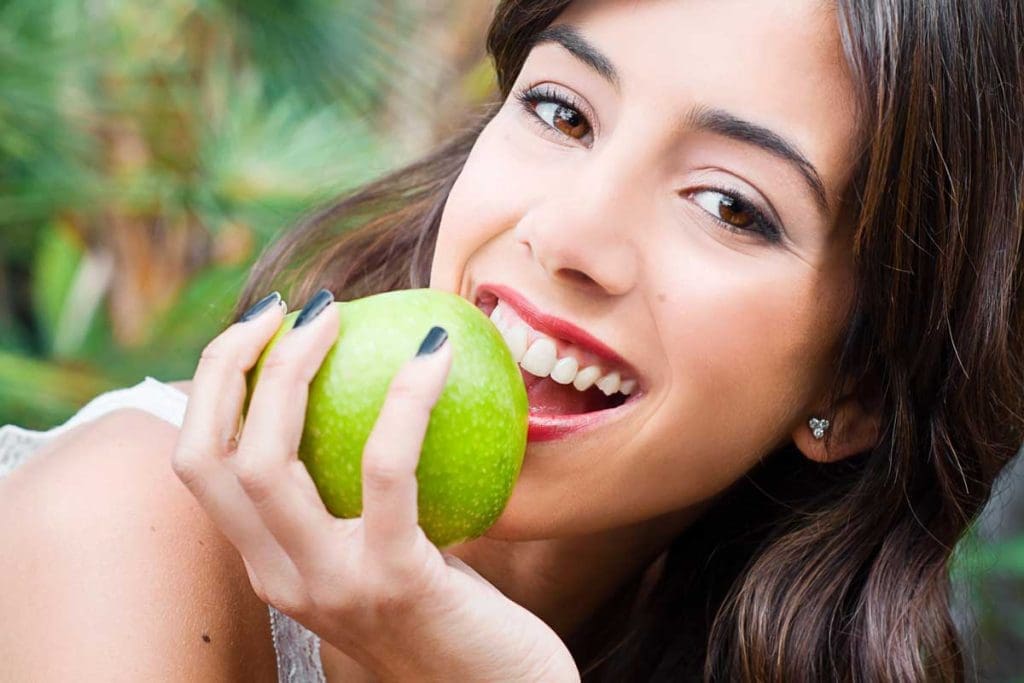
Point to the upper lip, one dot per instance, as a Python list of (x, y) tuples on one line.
[(554, 326)]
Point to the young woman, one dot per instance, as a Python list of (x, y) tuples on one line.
[(789, 236)]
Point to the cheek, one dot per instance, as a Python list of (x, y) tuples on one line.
[(497, 185), (752, 346), (757, 342)]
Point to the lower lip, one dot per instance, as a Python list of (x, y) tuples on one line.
[(554, 427)]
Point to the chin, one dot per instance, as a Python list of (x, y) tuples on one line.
[(510, 528)]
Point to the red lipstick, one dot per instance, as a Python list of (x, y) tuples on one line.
[(547, 427), (554, 326)]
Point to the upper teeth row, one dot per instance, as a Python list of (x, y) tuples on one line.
[(540, 358)]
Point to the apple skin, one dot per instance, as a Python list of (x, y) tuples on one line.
[(476, 438)]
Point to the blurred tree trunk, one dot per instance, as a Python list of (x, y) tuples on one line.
[(434, 97)]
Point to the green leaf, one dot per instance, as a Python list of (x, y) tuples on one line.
[(57, 260), (200, 313), (38, 395), (975, 558)]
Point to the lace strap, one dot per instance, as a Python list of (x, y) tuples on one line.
[(297, 649)]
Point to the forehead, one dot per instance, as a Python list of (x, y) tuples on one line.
[(778, 63)]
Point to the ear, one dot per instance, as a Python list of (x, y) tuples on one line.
[(853, 428)]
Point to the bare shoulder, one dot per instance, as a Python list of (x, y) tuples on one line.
[(337, 665), (112, 570)]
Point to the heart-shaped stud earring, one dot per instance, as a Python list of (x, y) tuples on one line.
[(818, 426)]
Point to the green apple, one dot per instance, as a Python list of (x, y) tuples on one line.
[(475, 441)]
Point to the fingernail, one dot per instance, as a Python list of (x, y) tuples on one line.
[(316, 303), (434, 340), (260, 306)]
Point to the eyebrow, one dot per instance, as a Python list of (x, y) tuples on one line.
[(709, 119)]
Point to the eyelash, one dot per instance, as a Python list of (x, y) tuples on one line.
[(528, 97), (765, 226)]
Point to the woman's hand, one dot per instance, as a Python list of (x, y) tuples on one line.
[(374, 587)]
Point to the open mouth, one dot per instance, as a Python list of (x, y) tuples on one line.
[(562, 379), (548, 397)]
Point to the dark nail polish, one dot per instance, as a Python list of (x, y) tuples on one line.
[(316, 303), (260, 306), (434, 340)]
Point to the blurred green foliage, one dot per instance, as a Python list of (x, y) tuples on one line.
[(149, 151)]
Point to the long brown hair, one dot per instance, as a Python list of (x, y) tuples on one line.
[(804, 571)]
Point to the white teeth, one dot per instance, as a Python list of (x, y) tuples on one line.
[(609, 384), (585, 377), (565, 370), (516, 340), (540, 358), (515, 335)]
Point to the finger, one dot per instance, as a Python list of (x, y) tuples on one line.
[(266, 462), (218, 384), (227, 505), (210, 422), (392, 453)]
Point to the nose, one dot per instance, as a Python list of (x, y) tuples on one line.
[(582, 234)]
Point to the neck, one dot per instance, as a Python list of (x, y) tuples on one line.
[(564, 580)]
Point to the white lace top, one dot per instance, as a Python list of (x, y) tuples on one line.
[(297, 648)]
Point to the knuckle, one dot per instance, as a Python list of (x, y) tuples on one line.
[(381, 475), (256, 482), (326, 598), (258, 588), (188, 465), (291, 363), (220, 357), (418, 577), (280, 363), (391, 598), (291, 600), (277, 361), (216, 350), (405, 390)]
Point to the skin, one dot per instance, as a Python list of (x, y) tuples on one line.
[(615, 231), (609, 228)]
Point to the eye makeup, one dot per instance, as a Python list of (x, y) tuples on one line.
[(731, 203), (569, 107)]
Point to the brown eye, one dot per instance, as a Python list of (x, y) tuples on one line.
[(737, 214), (730, 209), (567, 120)]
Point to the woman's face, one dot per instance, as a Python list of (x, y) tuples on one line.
[(685, 213)]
